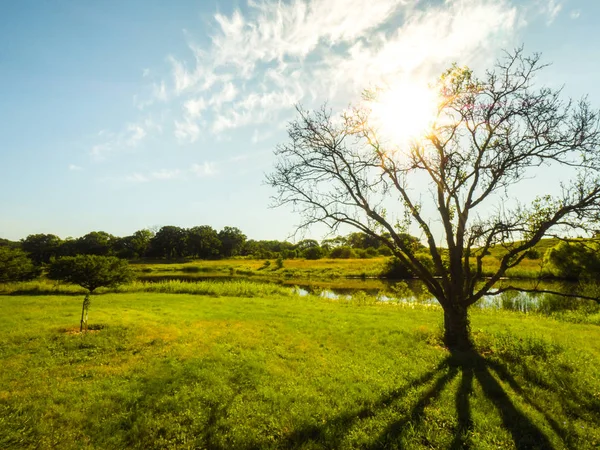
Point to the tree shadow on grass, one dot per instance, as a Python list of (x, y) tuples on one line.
[(472, 367)]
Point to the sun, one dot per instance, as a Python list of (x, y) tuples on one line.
[(403, 112)]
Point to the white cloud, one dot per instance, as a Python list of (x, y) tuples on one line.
[(281, 53), (75, 167), (145, 72), (134, 135), (160, 91), (130, 137), (198, 170), (137, 178), (195, 106), (165, 174), (226, 95), (203, 170), (159, 175), (187, 130), (553, 8), (575, 14)]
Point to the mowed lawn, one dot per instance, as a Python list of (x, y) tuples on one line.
[(190, 371)]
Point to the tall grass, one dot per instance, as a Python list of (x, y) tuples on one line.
[(236, 288)]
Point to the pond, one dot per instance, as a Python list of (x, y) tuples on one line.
[(413, 291)]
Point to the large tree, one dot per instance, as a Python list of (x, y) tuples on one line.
[(232, 241), (170, 241), (203, 242), (15, 265), (96, 243), (459, 180), (41, 247)]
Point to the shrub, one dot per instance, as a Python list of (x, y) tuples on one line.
[(575, 260), (313, 253), (342, 252), (15, 265), (533, 253)]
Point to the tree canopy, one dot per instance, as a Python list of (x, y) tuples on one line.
[(487, 136), (15, 265), (90, 271)]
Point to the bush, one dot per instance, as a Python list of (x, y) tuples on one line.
[(15, 265), (395, 269), (342, 252), (384, 251), (313, 253), (575, 260)]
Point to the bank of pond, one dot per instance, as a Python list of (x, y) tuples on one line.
[(357, 291)]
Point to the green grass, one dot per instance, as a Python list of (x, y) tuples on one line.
[(190, 371), (292, 268), (236, 288), (305, 271)]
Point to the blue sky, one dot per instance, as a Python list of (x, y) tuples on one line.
[(118, 116)]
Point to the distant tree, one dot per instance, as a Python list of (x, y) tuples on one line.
[(140, 242), (232, 241), (310, 249), (266, 249), (331, 243), (170, 242), (15, 265), (68, 247), (313, 253), (90, 272), (203, 242), (134, 246), (575, 260), (362, 240), (305, 244), (98, 243), (9, 243), (41, 247), (343, 252)]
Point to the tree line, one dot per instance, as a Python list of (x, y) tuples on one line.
[(199, 242)]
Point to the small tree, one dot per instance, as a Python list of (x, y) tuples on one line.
[(90, 272), (15, 265), (485, 138)]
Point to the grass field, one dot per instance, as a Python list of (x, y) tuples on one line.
[(292, 268), (321, 269), (188, 371)]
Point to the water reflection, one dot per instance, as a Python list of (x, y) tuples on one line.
[(414, 291)]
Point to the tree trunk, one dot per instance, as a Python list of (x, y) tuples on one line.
[(82, 315), (457, 331), (84, 312)]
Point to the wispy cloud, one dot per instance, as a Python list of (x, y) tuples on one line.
[(74, 167), (259, 63), (197, 170), (187, 130), (130, 137), (203, 170), (162, 174), (552, 8), (575, 14)]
